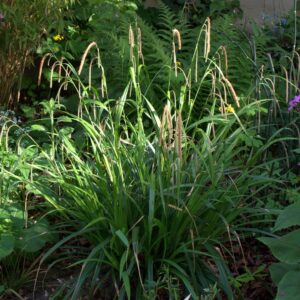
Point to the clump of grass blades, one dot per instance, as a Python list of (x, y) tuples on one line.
[(154, 204), (150, 204)]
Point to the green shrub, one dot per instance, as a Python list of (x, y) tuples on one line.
[(286, 273)]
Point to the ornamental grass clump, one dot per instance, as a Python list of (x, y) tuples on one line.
[(155, 209), (157, 196)]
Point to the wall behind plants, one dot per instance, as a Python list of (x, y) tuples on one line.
[(265, 10), (198, 10), (258, 10)]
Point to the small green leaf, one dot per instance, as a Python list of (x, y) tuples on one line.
[(66, 131), (123, 238), (289, 286), (133, 76), (24, 170), (38, 127), (7, 243), (126, 283), (123, 262), (285, 248), (278, 270), (131, 6), (290, 216), (34, 238), (12, 215), (64, 119), (28, 110), (2, 289)]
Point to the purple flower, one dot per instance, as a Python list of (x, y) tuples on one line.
[(294, 102)]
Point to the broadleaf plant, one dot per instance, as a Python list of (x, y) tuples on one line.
[(286, 248)]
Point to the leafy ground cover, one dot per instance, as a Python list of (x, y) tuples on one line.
[(151, 157)]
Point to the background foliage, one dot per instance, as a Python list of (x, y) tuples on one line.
[(155, 145)]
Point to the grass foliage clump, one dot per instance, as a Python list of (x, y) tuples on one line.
[(154, 207)]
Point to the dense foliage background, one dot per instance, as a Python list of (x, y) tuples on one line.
[(147, 152)]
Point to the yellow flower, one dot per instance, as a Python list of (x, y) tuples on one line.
[(228, 109), (178, 63), (58, 38)]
